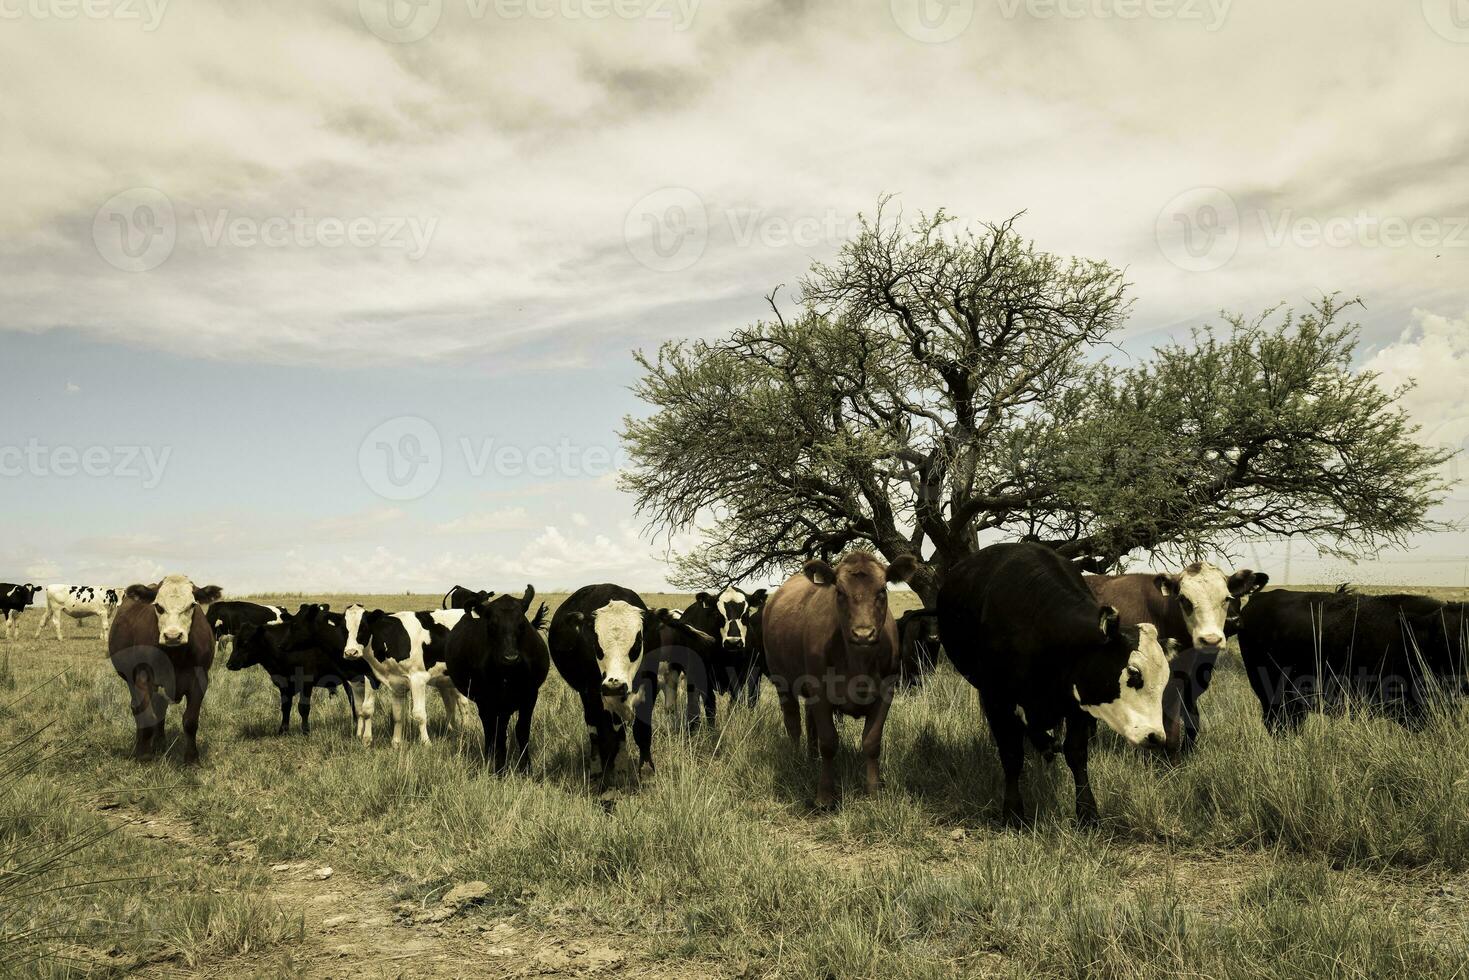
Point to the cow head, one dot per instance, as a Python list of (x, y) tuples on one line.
[(359, 622), (174, 600), (246, 648), (503, 620), (1121, 683), (1209, 600), (861, 582), (733, 607), (315, 625), (27, 592)]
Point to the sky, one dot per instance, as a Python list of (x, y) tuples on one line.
[(342, 295)]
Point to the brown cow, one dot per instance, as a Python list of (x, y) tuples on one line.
[(162, 646), (831, 643), (1196, 610)]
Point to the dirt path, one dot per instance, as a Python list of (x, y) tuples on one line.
[(354, 928)]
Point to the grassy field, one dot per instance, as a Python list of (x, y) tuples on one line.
[(1341, 852)]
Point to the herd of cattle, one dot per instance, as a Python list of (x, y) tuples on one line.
[(1051, 652)]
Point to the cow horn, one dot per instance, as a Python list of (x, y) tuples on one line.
[(530, 593)]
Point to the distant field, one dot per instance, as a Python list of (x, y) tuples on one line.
[(1341, 852)]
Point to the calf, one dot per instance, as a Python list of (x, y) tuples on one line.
[(406, 652), (918, 645), (162, 647), (461, 598), (1195, 610), (1021, 626), (14, 599), (78, 602), (227, 618), (296, 670), (315, 626), (598, 640), (499, 660), (832, 645), (730, 663), (1304, 648)]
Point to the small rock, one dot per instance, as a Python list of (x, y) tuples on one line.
[(280, 867), (322, 874), (469, 893), (958, 833), (336, 920)]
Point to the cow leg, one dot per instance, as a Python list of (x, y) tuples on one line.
[(1009, 736), (522, 731), (46, 617), (502, 740), (790, 713), (642, 736), (418, 705), (369, 708), (819, 719), (194, 704), (143, 715), (872, 727), (284, 687), (1078, 734), (487, 719), (351, 699), (710, 700), (106, 623), (303, 705)]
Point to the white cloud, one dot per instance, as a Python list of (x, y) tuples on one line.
[(486, 522), (1434, 354)]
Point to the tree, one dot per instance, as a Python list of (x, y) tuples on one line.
[(938, 390)]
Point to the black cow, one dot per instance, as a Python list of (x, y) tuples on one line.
[(499, 659), (598, 639), (14, 599), (730, 667), (1020, 624), (918, 645), (461, 598), (315, 626), (1304, 649), (295, 669)]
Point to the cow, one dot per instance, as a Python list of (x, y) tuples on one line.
[(14, 599), (461, 598), (610, 647), (499, 659), (831, 644), (726, 617), (295, 669), (227, 618), (315, 626), (161, 645), (79, 602), (1020, 625), (406, 652), (918, 645), (1304, 649), (1194, 610)]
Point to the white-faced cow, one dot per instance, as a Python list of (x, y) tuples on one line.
[(1194, 611), (161, 645), (730, 668), (831, 644), (1020, 624), (406, 652), (315, 626), (609, 647), (79, 602), (14, 600)]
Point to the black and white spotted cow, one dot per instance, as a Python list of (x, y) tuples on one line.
[(79, 602), (14, 599), (228, 618), (731, 669), (406, 652)]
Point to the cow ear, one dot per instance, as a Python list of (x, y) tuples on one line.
[(1165, 584), (903, 569), (1245, 582), (525, 600), (819, 572), (1109, 623), (210, 593), (756, 598), (144, 593), (703, 598), (324, 606)]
